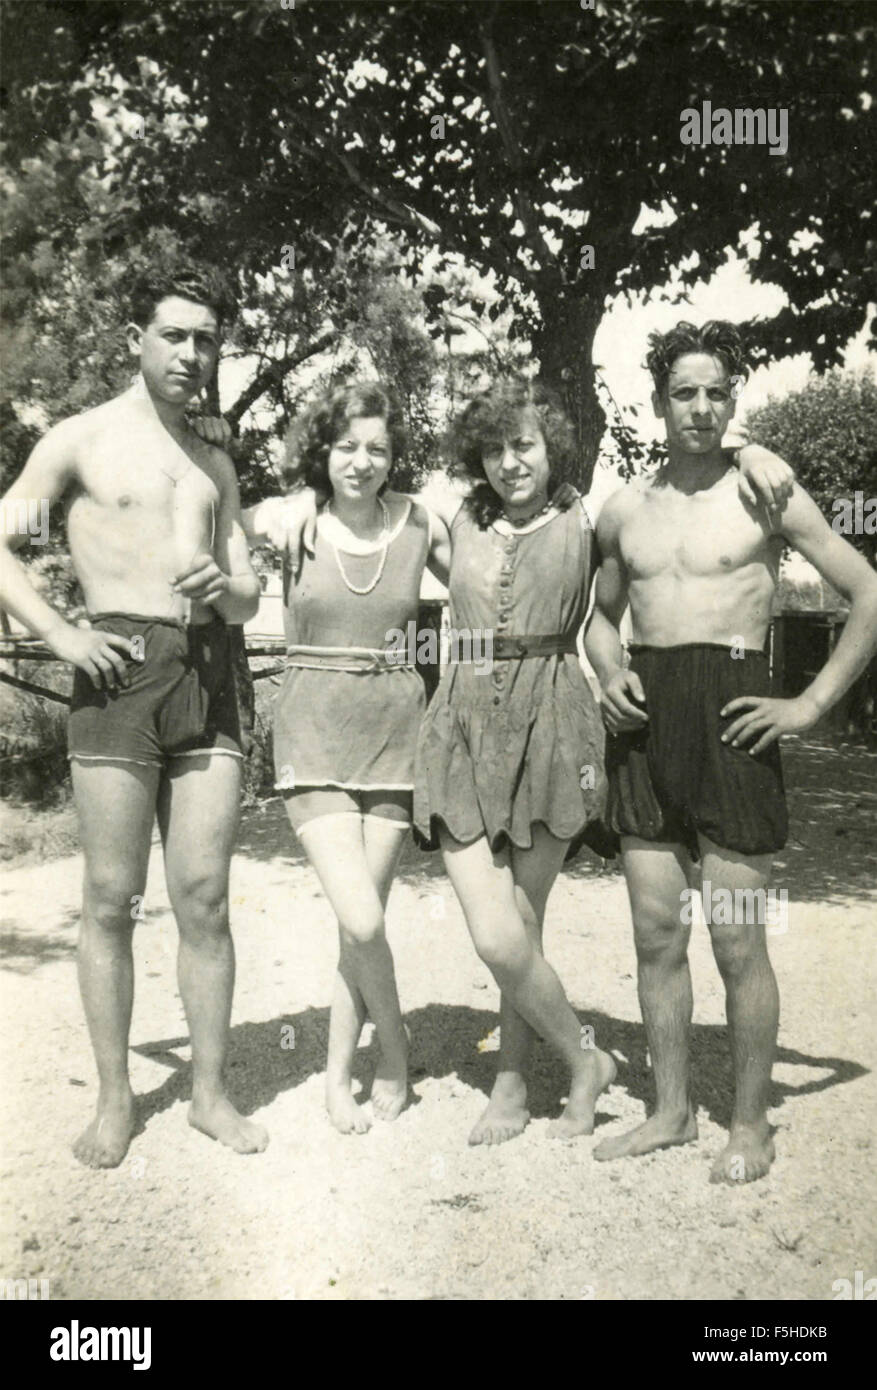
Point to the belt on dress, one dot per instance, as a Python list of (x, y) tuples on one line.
[(347, 658), (508, 647)]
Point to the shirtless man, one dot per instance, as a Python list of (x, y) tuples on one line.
[(693, 754), (153, 520)]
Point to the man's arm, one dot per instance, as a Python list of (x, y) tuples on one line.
[(286, 522), (438, 561), (619, 688), (45, 478), (225, 579), (445, 507), (765, 473), (803, 526)]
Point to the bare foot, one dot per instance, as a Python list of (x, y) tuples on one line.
[(585, 1087), (389, 1092), (218, 1119), (105, 1142), (390, 1086), (345, 1114), (747, 1155), (659, 1132), (506, 1115)]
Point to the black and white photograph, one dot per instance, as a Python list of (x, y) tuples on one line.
[(438, 663)]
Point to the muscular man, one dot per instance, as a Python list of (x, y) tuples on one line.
[(693, 758), (153, 520)]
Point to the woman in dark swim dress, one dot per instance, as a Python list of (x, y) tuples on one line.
[(509, 763)]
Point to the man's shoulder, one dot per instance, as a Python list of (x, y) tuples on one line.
[(216, 462), (68, 436), (622, 503), (84, 426)]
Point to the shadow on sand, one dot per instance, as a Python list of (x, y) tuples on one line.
[(445, 1040)]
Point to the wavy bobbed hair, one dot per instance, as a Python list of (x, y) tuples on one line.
[(491, 418), (312, 435)]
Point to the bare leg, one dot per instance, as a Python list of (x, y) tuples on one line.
[(752, 1003), (383, 839), (198, 808), (485, 886), (347, 1014), (335, 846), (507, 1114), (115, 803), (656, 877)]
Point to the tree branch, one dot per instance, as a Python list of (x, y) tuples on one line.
[(273, 374), (403, 214), (496, 102)]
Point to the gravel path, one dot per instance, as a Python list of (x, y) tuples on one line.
[(409, 1211)]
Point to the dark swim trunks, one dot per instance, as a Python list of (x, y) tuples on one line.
[(180, 700), (675, 777)]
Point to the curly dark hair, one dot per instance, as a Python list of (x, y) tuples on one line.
[(491, 418), (718, 338), (312, 435), (202, 284)]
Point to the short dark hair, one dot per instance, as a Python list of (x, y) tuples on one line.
[(489, 419), (202, 284), (311, 437), (718, 338)]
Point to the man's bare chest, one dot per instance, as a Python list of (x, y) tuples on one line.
[(137, 474), (692, 538)]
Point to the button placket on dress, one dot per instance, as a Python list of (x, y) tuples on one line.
[(507, 570)]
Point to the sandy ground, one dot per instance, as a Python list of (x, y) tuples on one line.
[(409, 1210)]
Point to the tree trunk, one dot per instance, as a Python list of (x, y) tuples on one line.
[(564, 347), (211, 393)]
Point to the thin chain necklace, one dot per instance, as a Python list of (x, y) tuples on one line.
[(385, 532), (178, 478), (175, 480), (138, 388)]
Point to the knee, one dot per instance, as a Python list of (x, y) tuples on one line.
[(660, 935), (735, 947), (109, 902), (362, 927), (200, 902), (503, 951)]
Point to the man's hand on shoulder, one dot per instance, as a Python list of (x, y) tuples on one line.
[(213, 429), (764, 477)]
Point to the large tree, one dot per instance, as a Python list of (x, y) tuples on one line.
[(511, 135)]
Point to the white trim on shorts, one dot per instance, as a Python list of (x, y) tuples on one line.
[(346, 787), (151, 762), (359, 815)]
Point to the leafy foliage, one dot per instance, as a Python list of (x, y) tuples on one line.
[(510, 135), (828, 433)]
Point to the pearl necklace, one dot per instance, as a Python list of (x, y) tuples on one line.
[(385, 532)]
